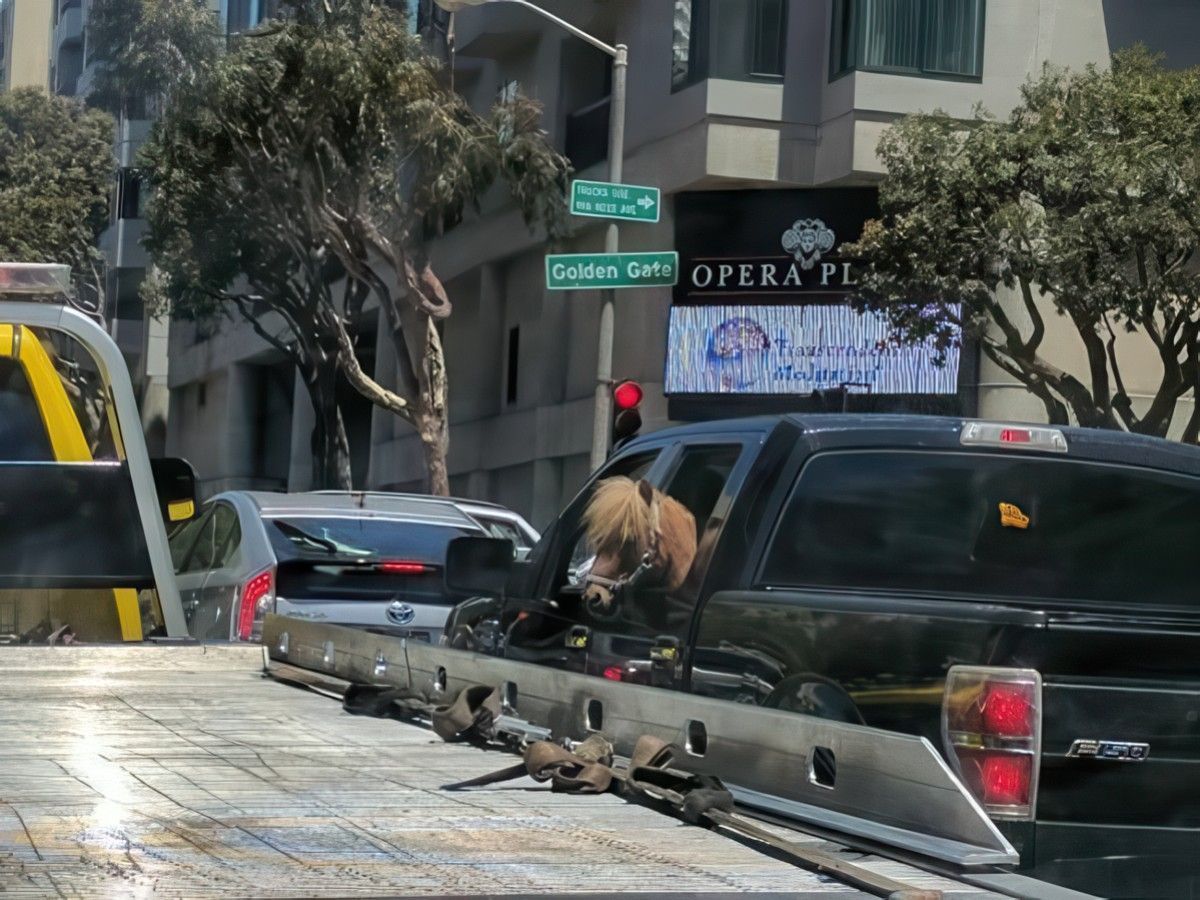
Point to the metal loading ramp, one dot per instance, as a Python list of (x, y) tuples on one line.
[(181, 771)]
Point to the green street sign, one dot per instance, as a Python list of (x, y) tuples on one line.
[(569, 271), (605, 200)]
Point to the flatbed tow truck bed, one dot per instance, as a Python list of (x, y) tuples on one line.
[(182, 771)]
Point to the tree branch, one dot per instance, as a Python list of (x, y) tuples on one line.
[(360, 380)]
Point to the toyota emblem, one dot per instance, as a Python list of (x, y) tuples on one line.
[(401, 613)]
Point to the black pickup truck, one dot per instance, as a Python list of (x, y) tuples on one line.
[(1025, 597)]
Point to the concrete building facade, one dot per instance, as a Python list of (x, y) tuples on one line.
[(778, 103), (27, 28)]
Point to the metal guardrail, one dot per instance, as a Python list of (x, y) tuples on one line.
[(881, 786)]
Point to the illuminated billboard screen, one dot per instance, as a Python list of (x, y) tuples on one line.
[(796, 349)]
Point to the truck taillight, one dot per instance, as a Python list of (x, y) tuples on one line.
[(1013, 437), (992, 733), (256, 598)]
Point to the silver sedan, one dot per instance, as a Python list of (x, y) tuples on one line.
[(354, 559)]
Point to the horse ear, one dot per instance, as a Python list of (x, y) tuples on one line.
[(646, 490)]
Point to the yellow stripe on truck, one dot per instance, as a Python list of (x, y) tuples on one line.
[(65, 434), (129, 614)]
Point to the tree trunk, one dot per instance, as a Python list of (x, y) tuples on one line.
[(432, 419), (330, 445), (435, 441)]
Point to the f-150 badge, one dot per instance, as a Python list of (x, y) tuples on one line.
[(1012, 517), (1117, 751)]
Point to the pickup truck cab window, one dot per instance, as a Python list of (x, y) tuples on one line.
[(549, 627), (644, 634)]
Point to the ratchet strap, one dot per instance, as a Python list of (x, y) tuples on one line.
[(698, 799), (471, 716), (588, 767)]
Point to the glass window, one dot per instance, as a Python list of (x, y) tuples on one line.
[(129, 194), (991, 526), (769, 36), (201, 556), (697, 483), (227, 535), (212, 539), (681, 44), (505, 530), (700, 477), (890, 36), (580, 559), (22, 434), (183, 538), (731, 39), (935, 37), (953, 42), (241, 15), (367, 537)]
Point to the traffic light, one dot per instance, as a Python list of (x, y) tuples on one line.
[(626, 420)]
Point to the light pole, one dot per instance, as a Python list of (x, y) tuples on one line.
[(616, 154)]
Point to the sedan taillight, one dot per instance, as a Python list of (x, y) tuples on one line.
[(255, 599), (992, 732)]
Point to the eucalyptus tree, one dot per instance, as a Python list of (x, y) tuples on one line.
[(317, 162), (1084, 203)]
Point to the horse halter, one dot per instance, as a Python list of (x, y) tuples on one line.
[(610, 589)]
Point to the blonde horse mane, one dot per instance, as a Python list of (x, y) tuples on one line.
[(617, 516)]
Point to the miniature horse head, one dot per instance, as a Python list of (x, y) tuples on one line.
[(636, 531)]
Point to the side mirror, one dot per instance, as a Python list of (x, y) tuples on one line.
[(478, 565), (175, 482)]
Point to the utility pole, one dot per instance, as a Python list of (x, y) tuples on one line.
[(616, 155), (604, 351)]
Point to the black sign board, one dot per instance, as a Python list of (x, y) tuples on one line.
[(768, 246), (761, 319)]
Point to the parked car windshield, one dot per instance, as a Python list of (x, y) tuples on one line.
[(295, 537)]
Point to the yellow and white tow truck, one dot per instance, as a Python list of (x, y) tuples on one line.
[(83, 553)]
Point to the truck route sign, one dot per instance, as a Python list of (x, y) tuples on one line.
[(605, 200)]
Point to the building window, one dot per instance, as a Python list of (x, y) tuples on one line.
[(732, 39), (242, 15), (940, 38), (514, 354), (129, 194), (768, 37), (589, 97), (682, 53)]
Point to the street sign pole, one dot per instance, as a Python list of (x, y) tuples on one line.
[(604, 355)]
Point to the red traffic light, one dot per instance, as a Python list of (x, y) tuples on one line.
[(627, 395)]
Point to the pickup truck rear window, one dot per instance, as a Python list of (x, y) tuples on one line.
[(991, 525)]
